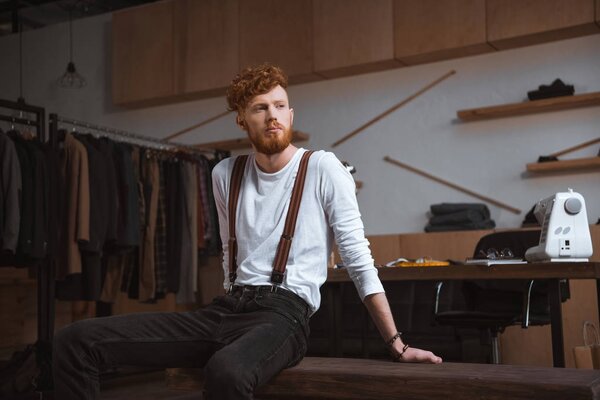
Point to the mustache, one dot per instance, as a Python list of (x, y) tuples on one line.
[(272, 125)]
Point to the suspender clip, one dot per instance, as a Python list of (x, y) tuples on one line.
[(277, 278)]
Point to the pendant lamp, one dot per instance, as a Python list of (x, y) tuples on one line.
[(71, 79)]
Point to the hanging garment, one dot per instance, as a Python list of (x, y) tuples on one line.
[(205, 186), (160, 237), (201, 229), (175, 216), (87, 285), (33, 222), (106, 147), (213, 237), (128, 228), (74, 163), (10, 192), (151, 186), (188, 278)]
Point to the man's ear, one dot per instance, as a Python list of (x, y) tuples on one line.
[(291, 116), (241, 122)]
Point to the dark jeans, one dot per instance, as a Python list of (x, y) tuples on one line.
[(241, 339)]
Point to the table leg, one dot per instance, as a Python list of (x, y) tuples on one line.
[(558, 352), (334, 304)]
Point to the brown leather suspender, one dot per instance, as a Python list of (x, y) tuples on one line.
[(234, 193), (285, 243)]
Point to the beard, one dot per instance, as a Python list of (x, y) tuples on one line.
[(271, 144)]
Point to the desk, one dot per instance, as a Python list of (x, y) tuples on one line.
[(552, 272)]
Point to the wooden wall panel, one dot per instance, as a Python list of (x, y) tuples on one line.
[(514, 23), (279, 32), (384, 248), (143, 53), (432, 30), (440, 245), (207, 43), (353, 36)]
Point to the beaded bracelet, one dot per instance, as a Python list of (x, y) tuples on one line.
[(404, 348), (393, 339)]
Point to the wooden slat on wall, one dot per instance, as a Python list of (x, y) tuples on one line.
[(279, 32), (513, 23), (143, 53), (207, 44), (432, 30), (353, 36)]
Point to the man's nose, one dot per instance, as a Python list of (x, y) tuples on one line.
[(271, 113)]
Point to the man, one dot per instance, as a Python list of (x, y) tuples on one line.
[(260, 326)]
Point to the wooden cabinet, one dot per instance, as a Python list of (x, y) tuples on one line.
[(207, 42), (432, 30), (279, 32), (513, 23), (353, 36), (174, 50), (143, 46)]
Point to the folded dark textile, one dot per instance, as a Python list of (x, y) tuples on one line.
[(547, 158), (458, 217), (556, 89), (449, 208), (487, 224)]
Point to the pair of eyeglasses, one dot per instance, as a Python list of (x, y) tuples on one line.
[(493, 254)]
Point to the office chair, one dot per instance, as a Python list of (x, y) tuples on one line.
[(491, 306)]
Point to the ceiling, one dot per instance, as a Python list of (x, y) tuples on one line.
[(34, 14)]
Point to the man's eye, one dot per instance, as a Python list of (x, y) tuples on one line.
[(280, 105)]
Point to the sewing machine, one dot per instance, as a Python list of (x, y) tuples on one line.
[(565, 231)]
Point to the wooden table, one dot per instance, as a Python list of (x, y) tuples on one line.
[(551, 272)]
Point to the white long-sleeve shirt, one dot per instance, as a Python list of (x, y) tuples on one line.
[(328, 211)]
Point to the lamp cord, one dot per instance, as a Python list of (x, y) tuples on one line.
[(20, 59), (71, 35)]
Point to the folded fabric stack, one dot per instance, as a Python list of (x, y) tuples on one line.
[(556, 89), (459, 217)]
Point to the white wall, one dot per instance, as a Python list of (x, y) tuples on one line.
[(487, 157)]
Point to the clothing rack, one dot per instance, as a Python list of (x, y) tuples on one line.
[(124, 136), (105, 309), (45, 284)]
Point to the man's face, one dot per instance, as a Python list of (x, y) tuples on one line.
[(268, 121)]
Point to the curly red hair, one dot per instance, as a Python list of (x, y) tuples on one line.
[(251, 82)]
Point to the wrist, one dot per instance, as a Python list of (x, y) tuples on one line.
[(396, 346)]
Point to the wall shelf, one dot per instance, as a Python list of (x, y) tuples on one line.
[(244, 143), (530, 107), (565, 165)]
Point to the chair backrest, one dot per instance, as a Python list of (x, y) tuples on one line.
[(517, 241), (499, 292)]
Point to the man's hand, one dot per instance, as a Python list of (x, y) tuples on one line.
[(413, 354), (379, 309)]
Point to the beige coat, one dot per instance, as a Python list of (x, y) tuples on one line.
[(75, 172)]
